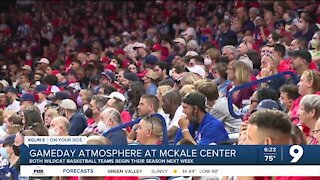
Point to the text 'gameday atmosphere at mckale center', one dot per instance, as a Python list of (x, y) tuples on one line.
[(160, 90)]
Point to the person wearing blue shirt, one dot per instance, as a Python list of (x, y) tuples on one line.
[(149, 82), (78, 121), (197, 125)]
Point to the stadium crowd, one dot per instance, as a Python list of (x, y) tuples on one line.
[(71, 68)]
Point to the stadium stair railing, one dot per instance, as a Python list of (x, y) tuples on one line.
[(250, 84)]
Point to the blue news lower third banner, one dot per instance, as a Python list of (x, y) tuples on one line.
[(106, 160)]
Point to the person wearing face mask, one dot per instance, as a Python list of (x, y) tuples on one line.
[(59, 126), (315, 48), (93, 112), (212, 56), (84, 98), (229, 53), (9, 153), (110, 118), (219, 72), (78, 121)]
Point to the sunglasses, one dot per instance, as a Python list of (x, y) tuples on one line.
[(151, 119)]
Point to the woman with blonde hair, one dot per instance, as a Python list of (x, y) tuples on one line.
[(161, 91), (49, 115), (239, 73), (187, 89), (190, 78)]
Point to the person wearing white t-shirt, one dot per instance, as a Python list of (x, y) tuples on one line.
[(188, 32), (11, 94), (172, 106)]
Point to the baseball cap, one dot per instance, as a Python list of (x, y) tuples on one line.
[(131, 77), (51, 89), (139, 45), (117, 95), (68, 104), (27, 97), (151, 59), (151, 74), (11, 89), (156, 47), (95, 79), (9, 140), (198, 70), (44, 60), (4, 83), (303, 53), (119, 51), (26, 67), (41, 88), (75, 85), (269, 104), (196, 99), (61, 95), (109, 75), (180, 40), (125, 34)]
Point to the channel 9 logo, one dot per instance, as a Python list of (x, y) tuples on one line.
[(296, 152)]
